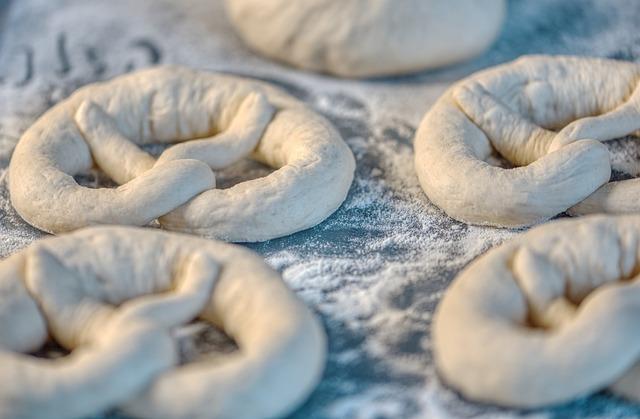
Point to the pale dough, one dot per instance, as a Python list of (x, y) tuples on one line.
[(364, 38), (545, 115), (112, 296), (216, 120), (547, 317)]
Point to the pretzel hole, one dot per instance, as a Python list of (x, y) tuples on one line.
[(241, 171), (197, 341), (95, 179), (200, 341), (625, 157)]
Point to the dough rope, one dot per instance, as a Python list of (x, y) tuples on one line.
[(546, 116), (112, 296), (547, 317), (215, 121), (365, 38)]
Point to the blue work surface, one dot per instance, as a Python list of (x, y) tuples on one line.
[(376, 269)]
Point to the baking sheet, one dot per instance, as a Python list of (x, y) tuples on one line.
[(375, 270)]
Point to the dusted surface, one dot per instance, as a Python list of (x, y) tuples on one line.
[(376, 269)]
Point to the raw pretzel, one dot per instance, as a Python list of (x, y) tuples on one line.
[(547, 317), (365, 38), (546, 116), (216, 120), (112, 295)]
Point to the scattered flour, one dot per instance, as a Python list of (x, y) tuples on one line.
[(377, 268)]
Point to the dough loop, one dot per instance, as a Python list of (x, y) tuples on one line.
[(546, 116), (111, 295), (366, 38), (215, 120), (547, 317)]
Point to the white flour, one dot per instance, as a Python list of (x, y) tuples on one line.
[(376, 269)]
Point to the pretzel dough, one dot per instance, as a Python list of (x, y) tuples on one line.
[(112, 295), (364, 38), (545, 115), (225, 117), (547, 317)]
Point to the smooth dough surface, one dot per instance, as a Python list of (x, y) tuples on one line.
[(546, 116), (212, 120), (547, 317), (112, 295), (365, 38)]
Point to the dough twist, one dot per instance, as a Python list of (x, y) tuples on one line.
[(547, 317), (112, 296), (216, 120), (546, 116)]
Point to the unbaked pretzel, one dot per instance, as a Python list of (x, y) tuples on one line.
[(368, 38), (216, 120), (547, 317), (545, 115), (112, 295)]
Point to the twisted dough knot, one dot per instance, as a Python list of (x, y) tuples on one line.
[(547, 317), (547, 116), (113, 294), (216, 120)]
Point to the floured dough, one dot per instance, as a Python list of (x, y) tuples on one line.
[(546, 116), (547, 317), (363, 38), (112, 296), (215, 121)]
